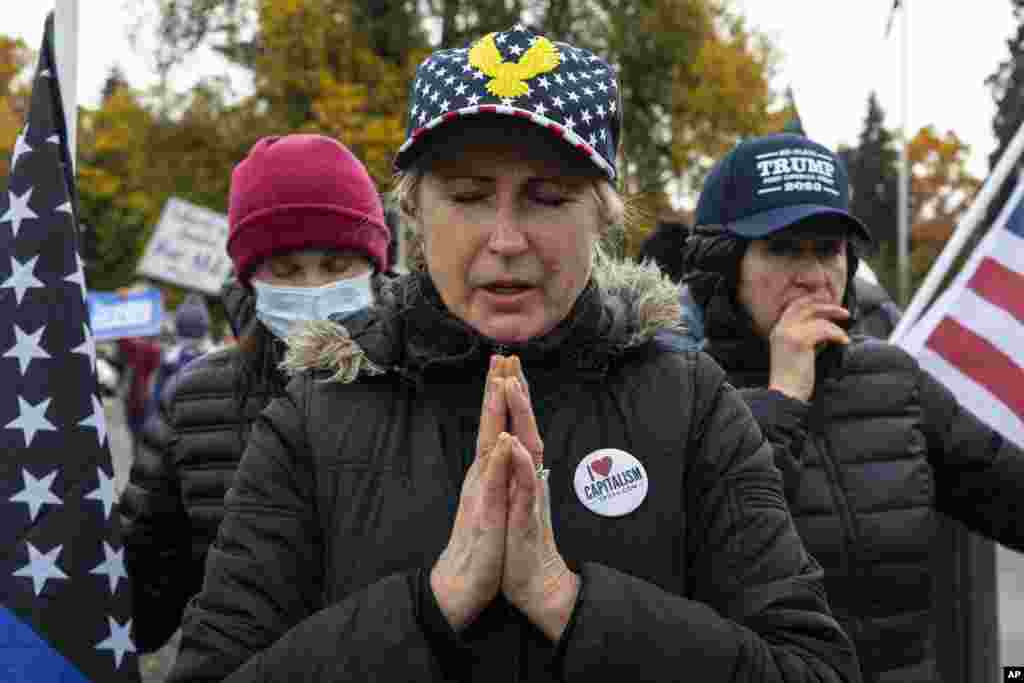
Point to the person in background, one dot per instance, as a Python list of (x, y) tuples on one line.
[(869, 444), (877, 313), (496, 472), (307, 240), (138, 359), (191, 340)]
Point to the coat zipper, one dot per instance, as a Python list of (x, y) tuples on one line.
[(851, 540), (842, 504)]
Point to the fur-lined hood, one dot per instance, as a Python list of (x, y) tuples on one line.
[(408, 330)]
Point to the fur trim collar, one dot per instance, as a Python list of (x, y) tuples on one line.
[(633, 302)]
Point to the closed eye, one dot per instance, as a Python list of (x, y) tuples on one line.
[(468, 198)]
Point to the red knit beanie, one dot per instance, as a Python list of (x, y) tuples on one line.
[(303, 192)]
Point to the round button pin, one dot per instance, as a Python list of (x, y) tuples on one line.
[(610, 482)]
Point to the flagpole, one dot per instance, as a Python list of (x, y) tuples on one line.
[(903, 235), (968, 224), (65, 34)]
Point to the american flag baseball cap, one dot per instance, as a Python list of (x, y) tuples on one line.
[(567, 90)]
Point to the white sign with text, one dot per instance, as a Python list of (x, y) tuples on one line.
[(188, 248)]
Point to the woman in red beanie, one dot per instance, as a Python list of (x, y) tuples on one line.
[(308, 241), (412, 509)]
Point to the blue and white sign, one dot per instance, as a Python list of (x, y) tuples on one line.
[(137, 314)]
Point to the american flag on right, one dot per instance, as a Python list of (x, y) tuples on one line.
[(972, 338)]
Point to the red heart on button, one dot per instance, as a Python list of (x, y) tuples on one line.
[(602, 465)]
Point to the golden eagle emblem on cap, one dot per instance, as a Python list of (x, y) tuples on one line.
[(508, 79)]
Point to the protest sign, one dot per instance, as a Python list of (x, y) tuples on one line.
[(137, 314), (188, 248)]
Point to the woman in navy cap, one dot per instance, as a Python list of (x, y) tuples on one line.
[(868, 443), (415, 509)]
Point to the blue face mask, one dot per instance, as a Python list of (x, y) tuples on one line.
[(282, 309)]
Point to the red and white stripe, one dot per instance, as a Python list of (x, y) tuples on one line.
[(972, 338)]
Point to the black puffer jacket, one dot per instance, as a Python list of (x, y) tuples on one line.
[(877, 314), (348, 489), (173, 502), (880, 446)]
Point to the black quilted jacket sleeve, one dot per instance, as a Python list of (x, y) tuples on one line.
[(156, 532)]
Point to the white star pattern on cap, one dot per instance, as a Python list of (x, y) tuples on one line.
[(112, 566), (534, 90), (36, 493), (18, 210), (41, 567), (120, 640), (26, 347), (31, 419)]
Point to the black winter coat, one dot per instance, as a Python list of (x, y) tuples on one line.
[(878, 449), (173, 503), (347, 492)]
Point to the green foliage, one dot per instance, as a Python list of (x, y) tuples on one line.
[(1007, 86), (874, 176)]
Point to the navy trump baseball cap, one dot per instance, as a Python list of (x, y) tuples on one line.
[(769, 183)]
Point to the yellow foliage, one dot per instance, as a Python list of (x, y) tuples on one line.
[(723, 94), (942, 188)]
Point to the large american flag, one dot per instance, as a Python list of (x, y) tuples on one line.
[(972, 338), (64, 596)]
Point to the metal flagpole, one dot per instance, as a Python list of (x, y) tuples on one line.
[(903, 236), (65, 34)]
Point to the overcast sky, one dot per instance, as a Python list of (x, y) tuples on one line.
[(833, 55)]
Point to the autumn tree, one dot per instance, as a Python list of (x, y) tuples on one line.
[(339, 67), (694, 77), (15, 59), (941, 191), (318, 71)]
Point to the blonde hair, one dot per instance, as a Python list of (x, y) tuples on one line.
[(614, 213)]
